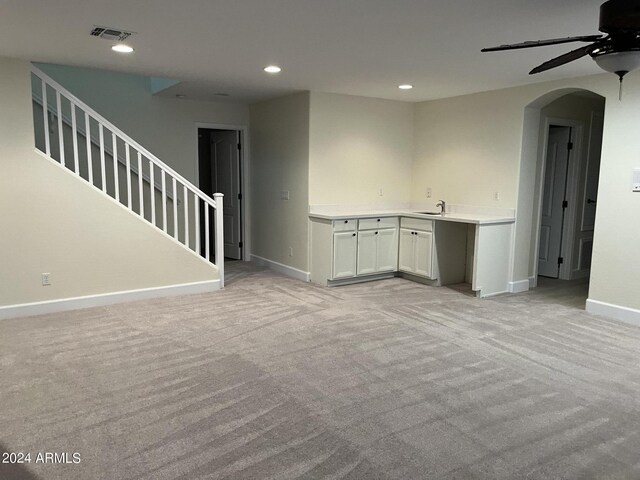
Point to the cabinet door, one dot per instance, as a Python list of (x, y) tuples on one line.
[(406, 256), (344, 254), (387, 253), (424, 252), (367, 241)]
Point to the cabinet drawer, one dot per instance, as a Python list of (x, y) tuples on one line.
[(345, 225), (417, 224), (376, 223)]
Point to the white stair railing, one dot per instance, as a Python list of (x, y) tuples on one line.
[(70, 132)]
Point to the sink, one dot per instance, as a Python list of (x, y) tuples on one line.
[(429, 213)]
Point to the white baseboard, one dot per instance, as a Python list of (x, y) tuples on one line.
[(281, 268), (533, 282), (624, 314), (75, 303), (519, 286)]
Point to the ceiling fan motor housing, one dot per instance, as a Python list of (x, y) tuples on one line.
[(620, 17)]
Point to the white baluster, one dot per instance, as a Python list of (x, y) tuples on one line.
[(116, 183), (103, 170), (196, 209), (87, 128), (152, 189), (206, 231), (218, 197), (128, 172), (45, 114), (140, 186), (175, 208), (164, 201), (74, 130), (60, 131), (186, 215)]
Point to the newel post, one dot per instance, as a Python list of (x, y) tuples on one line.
[(219, 245)]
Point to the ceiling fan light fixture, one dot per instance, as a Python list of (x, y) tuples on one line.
[(619, 63)]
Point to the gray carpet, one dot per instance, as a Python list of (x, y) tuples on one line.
[(273, 378)]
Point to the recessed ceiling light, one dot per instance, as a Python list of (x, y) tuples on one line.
[(122, 48), (405, 86), (272, 69)]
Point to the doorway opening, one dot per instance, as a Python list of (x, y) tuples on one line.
[(569, 167), (220, 170), (554, 200)]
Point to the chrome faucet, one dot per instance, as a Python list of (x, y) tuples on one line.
[(442, 204)]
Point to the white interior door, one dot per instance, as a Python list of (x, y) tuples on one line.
[(553, 196), (225, 171)]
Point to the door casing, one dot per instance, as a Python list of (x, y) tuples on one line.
[(244, 178)]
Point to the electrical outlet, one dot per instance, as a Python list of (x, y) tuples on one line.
[(429, 192), (46, 279), (496, 196), (284, 195), (291, 251), (380, 192)]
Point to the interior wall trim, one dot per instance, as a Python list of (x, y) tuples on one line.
[(519, 286), (75, 303), (282, 268), (618, 312)]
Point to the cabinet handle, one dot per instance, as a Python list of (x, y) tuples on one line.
[(376, 233), (378, 220), (346, 221), (353, 234)]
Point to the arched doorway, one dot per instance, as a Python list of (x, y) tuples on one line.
[(558, 184)]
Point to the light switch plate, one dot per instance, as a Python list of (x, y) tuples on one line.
[(635, 187)]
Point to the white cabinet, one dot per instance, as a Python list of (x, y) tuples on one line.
[(345, 245), (367, 246), (415, 253), (377, 245)]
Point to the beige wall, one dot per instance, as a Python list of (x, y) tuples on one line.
[(53, 223), (280, 162), (357, 146), (470, 146), (165, 126)]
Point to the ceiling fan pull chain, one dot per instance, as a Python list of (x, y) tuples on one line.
[(620, 92)]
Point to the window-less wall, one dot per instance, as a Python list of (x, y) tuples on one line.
[(280, 181), (360, 150)]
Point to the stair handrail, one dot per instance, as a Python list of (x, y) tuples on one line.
[(110, 126), (153, 161)]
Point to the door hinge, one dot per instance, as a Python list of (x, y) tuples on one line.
[(560, 260), (240, 244), (565, 204), (570, 146), (239, 147), (239, 196)]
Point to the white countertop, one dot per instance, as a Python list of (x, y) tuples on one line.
[(461, 217)]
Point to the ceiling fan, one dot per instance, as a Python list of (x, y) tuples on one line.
[(616, 51)]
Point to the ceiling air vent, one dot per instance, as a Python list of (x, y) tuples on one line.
[(110, 33)]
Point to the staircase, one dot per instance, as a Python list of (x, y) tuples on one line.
[(71, 133)]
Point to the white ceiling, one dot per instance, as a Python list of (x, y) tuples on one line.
[(359, 47)]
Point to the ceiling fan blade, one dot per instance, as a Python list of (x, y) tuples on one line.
[(544, 43), (566, 58)]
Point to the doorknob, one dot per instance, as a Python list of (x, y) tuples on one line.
[(589, 200)]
